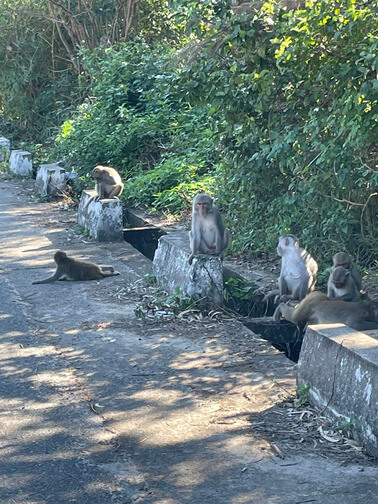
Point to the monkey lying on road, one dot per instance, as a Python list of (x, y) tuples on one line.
[(316, 308), (71, 269)]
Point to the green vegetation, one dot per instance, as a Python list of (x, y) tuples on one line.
[(272, 111)]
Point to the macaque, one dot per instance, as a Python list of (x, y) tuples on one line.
[(341, 285), (343, 259), (317, 308), (208, 234), (68, 268), (108, 183), (298, 271)]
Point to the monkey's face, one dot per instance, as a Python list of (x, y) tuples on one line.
[(96, 173), (203, 207), (339, 277), (202, 204), (285, 242)]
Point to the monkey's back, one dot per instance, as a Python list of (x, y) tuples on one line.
[(81, 270)]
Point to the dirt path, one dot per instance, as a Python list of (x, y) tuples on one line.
[(99, 407)]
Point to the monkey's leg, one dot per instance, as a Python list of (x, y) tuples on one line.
[(106, 267), (286, 311), (113, 193), (110, 273)]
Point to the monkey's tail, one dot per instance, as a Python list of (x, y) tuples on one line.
[(270, 294)]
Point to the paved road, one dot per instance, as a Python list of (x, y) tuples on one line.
[(96, 407)]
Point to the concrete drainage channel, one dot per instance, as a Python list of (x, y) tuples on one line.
[(337, 365), (284, 336)]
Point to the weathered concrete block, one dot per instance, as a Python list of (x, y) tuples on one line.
[(51, 180), (20, 162), (4, 148), (103, 219), (171, 268), (341, 367)]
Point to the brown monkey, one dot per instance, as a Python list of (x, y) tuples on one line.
[(108, 183), (71, 269), (341, 285), (298, 271), (208, 234), (343, 259), (316, 308)]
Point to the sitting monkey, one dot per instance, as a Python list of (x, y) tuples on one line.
[(71, 269), (208, 234), (108, 183), (298, 271), (344, 281), (341, 285), (317, 308)]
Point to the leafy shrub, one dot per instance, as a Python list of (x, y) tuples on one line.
[(292, 96)]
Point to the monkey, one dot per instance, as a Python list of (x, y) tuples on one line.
[(208, 234), (108, 183), (341, 285), (343, 259), (71, 269), (298, 271), (317, 308)]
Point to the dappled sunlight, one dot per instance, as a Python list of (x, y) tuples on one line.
[(188, 360)]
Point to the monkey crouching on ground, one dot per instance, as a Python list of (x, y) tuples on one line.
[(298, 271), (68, 268), (208, 234), (317, 308), (341, 285)]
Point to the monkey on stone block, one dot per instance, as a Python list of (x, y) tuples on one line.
[(208, 234), (108, 183)]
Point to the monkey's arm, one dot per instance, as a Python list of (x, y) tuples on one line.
[(270, 294), (286, 311), (53, 278), (304, 284)]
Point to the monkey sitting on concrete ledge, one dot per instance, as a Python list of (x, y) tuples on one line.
[(73, 270), (208, 234), (317, 308), (109, 184)]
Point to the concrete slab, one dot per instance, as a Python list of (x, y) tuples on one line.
[(203, 278), (341, 367), (4, 148), (103, 219), (20, 163), (51, 180)]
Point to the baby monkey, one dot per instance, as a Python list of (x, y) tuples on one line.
[(208, 234), (68, 268), (344, 280)]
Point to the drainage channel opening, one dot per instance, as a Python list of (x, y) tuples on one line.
[(244, 299), (145, 239)]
